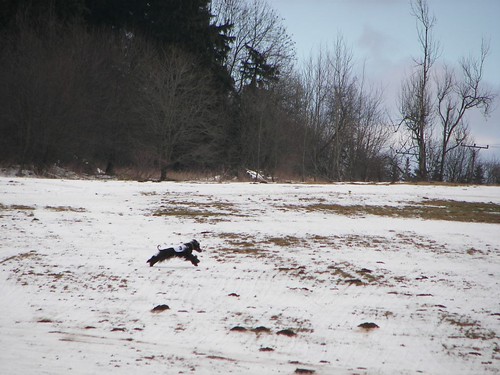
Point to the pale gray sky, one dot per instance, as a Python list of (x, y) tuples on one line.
[(382, 33)]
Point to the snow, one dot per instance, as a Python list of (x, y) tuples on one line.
[(78, 294)]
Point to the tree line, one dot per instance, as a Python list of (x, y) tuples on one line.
[(164, 85)]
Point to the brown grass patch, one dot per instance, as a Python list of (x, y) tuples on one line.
[(286, 241), (21, 256), (18, 207), (433, 209), (346, 273), (479, 212), (241, 242), (469, 327), (215, 211), (338, 271), (185, 212), (65, 208)]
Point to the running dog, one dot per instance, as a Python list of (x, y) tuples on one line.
[(183, 251)]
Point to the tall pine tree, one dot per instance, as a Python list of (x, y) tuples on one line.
[(185, 24)]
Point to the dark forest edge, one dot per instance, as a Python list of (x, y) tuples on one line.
[(163, 89)]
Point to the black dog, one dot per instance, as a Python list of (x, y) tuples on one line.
[(184, 251)]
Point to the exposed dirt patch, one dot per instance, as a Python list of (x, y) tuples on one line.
[(238, 329), (45, 320), (261, 329), (286, 332), (219, 358), (304, 371), (160, 308), (266, 349), (368, 326)]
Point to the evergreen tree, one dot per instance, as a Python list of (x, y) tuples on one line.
[(64, 10), (185, 24), (478, 176), (256, 71)]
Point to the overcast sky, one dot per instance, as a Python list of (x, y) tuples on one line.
[(382, 33)]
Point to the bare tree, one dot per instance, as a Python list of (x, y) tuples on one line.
[(341, 102), (176, 106), (316, 85), (492, 172), (368, 137), (455, 98), (457, 166), (415, 98), (345, 122), (256, 28), (293, 132)]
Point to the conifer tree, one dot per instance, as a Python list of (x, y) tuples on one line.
[(185, 24)]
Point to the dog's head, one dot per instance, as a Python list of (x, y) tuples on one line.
[(196, 245)]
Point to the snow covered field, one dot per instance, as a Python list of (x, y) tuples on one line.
[(287, 276)]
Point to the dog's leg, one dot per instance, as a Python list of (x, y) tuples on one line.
[(152, 260), (193, 259), (161, 256)]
